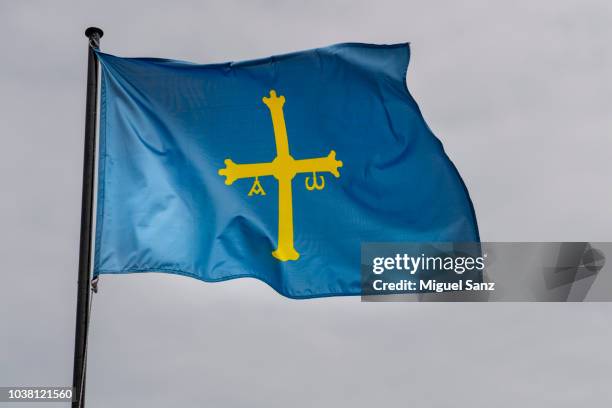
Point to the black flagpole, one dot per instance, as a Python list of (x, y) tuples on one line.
[(82, 310)]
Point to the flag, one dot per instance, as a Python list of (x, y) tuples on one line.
[(276, 169)]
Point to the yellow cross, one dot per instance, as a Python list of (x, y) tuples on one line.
[(284, 168)]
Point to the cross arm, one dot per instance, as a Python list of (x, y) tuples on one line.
[(329, 164), (233, 171)]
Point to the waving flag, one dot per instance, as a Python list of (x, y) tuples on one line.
[(276, 169)]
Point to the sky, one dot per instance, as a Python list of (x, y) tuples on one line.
[(519, 93)]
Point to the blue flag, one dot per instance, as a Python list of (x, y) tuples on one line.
[(276, 169)]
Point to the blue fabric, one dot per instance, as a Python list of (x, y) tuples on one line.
[(166, 128)]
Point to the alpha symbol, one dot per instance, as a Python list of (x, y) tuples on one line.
[(257, 188), (284, 168)]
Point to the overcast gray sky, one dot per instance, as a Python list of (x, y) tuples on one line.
[(518, 91)]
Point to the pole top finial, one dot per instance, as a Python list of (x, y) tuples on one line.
[(91, 31)]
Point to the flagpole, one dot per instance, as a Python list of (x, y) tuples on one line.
[(84, 279)]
